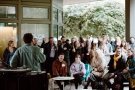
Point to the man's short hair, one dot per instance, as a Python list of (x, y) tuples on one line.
[(62, 37), (61, 53), (28, 37), (50, 37)]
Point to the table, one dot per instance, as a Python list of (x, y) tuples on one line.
[(23, 79), (5, 70), (62, 79)]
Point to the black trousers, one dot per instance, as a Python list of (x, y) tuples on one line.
[(48, 65), (96, 82), (59, 84), (118, 81), (78, 80)]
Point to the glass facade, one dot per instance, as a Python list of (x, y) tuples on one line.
[(29, 12), (55, 31), (55, 15), (60, 31), (8, 31), (39, 31), (57, 23), (17, 17), (60, 17), (7, 12)]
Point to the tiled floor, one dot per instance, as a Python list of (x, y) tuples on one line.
[(81, 88), (72, 87)]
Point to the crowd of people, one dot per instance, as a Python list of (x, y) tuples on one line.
[(91, 60)]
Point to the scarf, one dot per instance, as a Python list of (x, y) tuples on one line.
[(116, 58)]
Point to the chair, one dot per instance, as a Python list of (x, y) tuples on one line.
[(52, 85), (88, 72)]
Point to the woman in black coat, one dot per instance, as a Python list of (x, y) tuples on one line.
[(8, 53)]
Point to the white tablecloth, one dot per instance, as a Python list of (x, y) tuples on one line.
[(63, 78), (60, 79)]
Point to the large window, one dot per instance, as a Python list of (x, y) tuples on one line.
[(30, 12), (55, 31), (60, 30), (60, 17), (18, 17), (38, 30), (8, 31), (55, 15), (7, 12)]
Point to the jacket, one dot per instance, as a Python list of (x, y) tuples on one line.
[(59, 68), (131, 65), (7, 55), (47, 50), (28, 56), (121, 64), (77, 68)]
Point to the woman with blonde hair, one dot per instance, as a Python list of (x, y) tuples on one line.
[(98, 68), (96, 63), (8, 53)]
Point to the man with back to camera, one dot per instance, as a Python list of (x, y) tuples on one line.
[(28, 55)]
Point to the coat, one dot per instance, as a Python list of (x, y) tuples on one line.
[(7, 55), (47, 50), (131, 65), (121, 64), (59, 68)]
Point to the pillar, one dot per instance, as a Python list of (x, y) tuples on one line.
[(130, 18)]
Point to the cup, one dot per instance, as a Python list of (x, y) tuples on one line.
[(42, 50)]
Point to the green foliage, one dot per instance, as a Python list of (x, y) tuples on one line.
[(106, 18)]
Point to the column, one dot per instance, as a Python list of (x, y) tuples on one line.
[(130, 18)]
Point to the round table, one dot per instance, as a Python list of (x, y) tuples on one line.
[(62, 78)]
